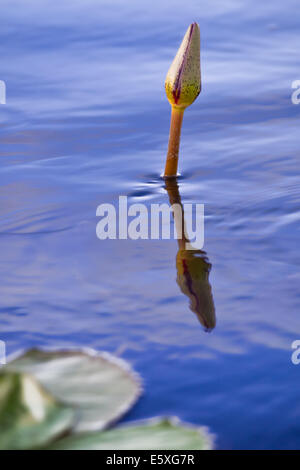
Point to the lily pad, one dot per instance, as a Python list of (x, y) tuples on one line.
[(29, 416), (100, 387), (154, 434)]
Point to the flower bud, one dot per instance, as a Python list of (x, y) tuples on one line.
[(183, 81)]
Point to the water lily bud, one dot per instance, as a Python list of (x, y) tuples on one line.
[(183, 81)]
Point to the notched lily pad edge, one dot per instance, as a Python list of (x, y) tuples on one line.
[(104, 355)]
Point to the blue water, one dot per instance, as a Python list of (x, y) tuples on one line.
[(87, 120)]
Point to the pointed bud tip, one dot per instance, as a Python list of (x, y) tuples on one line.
[(183, 81)]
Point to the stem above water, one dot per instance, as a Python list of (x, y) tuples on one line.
[(174, 142)]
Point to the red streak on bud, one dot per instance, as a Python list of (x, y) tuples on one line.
[(176, 95), (177, 86)]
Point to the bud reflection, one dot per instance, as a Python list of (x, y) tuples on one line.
[(192, 269)]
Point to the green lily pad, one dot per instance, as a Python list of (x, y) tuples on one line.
[(29, 416), (154, 434), (100, 387)]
